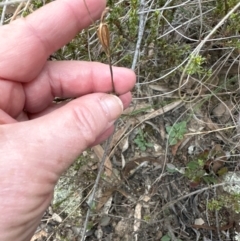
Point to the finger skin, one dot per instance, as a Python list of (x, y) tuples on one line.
[(73, 79), (62, 79), (40, 34), (106, 134), (125, 98), (5, 118), (12, 97)]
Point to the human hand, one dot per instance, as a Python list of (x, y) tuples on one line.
[(40, 140)]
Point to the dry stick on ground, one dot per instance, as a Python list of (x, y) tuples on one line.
[(3, 13), (17, 12), (142, 22), (11, 2)]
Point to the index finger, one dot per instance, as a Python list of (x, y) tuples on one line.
[(25, 44)]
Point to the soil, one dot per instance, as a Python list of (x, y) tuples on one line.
[(150, 198)]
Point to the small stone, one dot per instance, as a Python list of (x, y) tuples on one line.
[(56, 218), (199, 221), (98, 233)]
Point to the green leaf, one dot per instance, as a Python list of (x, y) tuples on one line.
[(138, 142), (176, 132), (149, 144), (171, 170), (165, 238), (142, 148), (193, 165), (222, 171), (209, 179), (168, 129), (172, 142), (180, 137)]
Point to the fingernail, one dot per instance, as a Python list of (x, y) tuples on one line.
[(112, 106)]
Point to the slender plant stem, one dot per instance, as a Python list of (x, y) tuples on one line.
[(111, 72), (104, 38), (92, 195)]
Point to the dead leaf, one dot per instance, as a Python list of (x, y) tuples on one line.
[(104, 198), (150, 50), (119, 134), (162, 88), (175, 148), (40, 234), (131, 165), (217, 159), (160, 111), (137, 216), (223, 111), (181, 143), (98, 150)]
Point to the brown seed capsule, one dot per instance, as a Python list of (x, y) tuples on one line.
[(103, 33), (104, 37)]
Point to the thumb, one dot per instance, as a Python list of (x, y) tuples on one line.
[(59, 137), (34, 154)]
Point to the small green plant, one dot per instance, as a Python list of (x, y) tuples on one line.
[(133, 18), (215, 205), (90, 225), (231, 201), (37, 4), (196, 173), (176, 132), (146, 218), (168, 238), (141, 141), (195, 65)]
